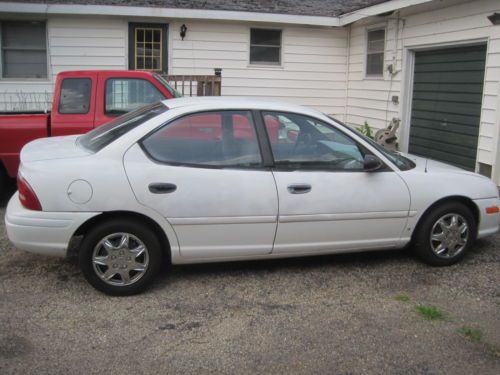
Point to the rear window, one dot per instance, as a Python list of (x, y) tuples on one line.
[(75, 96), (102, 136)]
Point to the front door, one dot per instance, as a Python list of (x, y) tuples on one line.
[(446, 107), (327, 202), (203, 172), (148, 47)]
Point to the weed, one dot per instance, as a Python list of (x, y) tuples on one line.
[(431, 312), (473, 334), (366, 130)]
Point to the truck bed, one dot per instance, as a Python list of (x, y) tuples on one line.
[(17, 129)]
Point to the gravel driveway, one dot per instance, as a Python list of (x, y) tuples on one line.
[(342, 314)]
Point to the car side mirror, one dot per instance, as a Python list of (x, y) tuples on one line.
[(371, 163)]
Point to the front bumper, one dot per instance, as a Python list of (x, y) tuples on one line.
[(488, 223), (41, 232)]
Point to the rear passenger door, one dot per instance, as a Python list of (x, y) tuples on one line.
[(204, 173), (75, 102)]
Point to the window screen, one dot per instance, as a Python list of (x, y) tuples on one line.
[(75, 96), (375, 53), (127, 94), (265, 46), (218, 139), (24, 50)]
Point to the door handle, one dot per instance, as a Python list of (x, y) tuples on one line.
[(162, 188), (299, 188)]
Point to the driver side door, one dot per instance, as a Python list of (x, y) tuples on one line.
[(327, 202)]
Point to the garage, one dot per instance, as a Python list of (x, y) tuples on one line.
[(446, 104)]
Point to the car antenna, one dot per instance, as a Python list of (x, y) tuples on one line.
[(425, 170)]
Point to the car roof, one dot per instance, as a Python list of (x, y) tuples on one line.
[(221, 102)]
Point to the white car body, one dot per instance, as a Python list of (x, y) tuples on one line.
[(234, 214)]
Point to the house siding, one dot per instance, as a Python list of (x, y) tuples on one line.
[(313, 69), (448, 23), (72, 44)]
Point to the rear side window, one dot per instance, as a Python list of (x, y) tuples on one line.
[(75, 96), (127, 94), (213, 139), (102, 136)]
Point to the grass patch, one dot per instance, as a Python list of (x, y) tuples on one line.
[(473, 334), (431, 312), (402, 298)]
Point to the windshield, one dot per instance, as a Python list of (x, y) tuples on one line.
[(399, 160), (102, 136), (164, 82)]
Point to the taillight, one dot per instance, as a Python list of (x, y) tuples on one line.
[(27, 196)]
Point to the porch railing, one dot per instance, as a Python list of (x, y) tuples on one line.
[(197, 85)]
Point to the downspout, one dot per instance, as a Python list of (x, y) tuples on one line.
[(347, 72)]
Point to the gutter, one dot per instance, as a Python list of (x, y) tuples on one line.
[(204, 14)]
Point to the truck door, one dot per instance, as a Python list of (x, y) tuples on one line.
[(73, 107)]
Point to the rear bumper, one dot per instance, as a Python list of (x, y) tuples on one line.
[(489, 224), (46, 233)]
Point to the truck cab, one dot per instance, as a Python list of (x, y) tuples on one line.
[(86, 99), (82, 100)]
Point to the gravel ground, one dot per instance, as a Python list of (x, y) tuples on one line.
[(342, 314)]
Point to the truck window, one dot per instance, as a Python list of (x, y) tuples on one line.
[(75, 96), (127, 94)]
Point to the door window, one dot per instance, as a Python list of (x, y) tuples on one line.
[(127, 94), (148, 47), (303, 142), (217, 139)]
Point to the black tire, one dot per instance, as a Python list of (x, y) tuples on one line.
[(424, 247), (3, 181), (139, 232)]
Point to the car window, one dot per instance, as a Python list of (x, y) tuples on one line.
[(302, 142), (217, 139), (403, 163), (102, 136), (127, 94), (75, 96)]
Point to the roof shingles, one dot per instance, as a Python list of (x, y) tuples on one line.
[(326, 8)]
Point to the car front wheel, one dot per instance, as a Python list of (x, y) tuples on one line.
[(445, 234), (120, 257)]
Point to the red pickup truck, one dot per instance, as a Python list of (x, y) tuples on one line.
[(82, 101)]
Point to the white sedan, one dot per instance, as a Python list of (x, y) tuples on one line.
[(221, 179)]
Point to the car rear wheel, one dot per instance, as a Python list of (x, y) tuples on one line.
[(445, 234), (120, 257)]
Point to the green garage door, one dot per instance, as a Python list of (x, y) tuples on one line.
[(447, 93)]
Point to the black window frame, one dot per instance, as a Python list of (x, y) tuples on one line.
[(259, 139), (88, 99), (2, 49), (283, 167), (131, 45), (111, 114), (279, 47), (378, 52)]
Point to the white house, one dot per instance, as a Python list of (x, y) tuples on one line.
[(434, 64)]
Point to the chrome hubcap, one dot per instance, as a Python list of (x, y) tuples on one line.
[(120, 259), (449, 235)]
